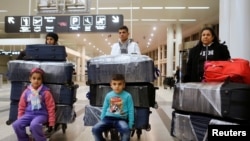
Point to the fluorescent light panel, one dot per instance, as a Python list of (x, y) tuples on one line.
[(175, 8), (107, 8), (128, 8), (3, 11), (187, 20), (149, 20), (152, 8), (198, 7), (168, 20), (129, 20)]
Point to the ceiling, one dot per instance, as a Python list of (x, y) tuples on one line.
[(140, 30)]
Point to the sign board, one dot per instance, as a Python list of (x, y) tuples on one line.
[(63, 6), (63, 24)]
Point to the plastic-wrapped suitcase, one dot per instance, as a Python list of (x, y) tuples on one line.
[(191, 127), (91, 115), (135, 68), (228, 100), (55, 72), (13, 111), (63, 94), (17, 87), (65, 113), (143, 94), (19, 70), (58, 72), (43, 52)]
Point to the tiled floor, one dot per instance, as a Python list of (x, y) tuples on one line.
[(159, 119)]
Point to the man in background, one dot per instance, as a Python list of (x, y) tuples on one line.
[(125, 45)]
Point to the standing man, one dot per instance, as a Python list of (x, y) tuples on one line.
[(125, 45), (177, 74)]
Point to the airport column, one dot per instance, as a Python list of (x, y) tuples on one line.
[(234, 26), (78, 69), (170, 47), (83, 64), (178, 43)]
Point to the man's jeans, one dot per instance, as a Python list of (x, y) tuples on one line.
[(111, 122)]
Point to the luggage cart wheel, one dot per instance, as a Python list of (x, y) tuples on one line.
[(156, 105), (149, 128), (8, 122), (64, 127), (138, 133)]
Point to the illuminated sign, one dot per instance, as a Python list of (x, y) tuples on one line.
[(63, 24)]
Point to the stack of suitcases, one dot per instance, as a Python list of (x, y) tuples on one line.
[(139, 75), (198, 105), (58, 77)]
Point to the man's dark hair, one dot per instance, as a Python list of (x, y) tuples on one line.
[(118, 77), (124, 27)]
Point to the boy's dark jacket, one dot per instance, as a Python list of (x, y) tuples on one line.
[(192, 72)]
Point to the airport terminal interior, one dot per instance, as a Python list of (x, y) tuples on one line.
[(164, 30)]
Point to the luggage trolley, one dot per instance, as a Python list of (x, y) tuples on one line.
[(58, 78), (139, 73)]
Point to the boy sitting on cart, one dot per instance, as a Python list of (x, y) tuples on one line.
[(117, 111)]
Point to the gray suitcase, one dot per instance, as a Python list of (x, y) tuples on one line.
[(55, 72), (135, 68)]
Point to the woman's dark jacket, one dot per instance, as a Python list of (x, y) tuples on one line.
[(193, 68)]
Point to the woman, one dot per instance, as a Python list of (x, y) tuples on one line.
[(208, 48)]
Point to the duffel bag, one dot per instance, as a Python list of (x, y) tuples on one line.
[(234, 70)]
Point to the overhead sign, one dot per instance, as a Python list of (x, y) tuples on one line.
[(63, 24)]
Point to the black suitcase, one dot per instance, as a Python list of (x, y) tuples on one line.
[(235, 101), (135, 68), (143, 94), (228, 100), (63, 94), (142, 118), (65, 113), (13, 111), (43, 52), (17, 88)]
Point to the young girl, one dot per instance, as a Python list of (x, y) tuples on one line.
[(36, 107)]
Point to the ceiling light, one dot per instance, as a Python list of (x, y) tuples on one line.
[(168, 20), (153, 8), (129, 20), (175, 7), (151, 34), (107, 8), (3, 11), (149, 20), (187, 20), (198, 7), (154, 28), (128, 8)]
